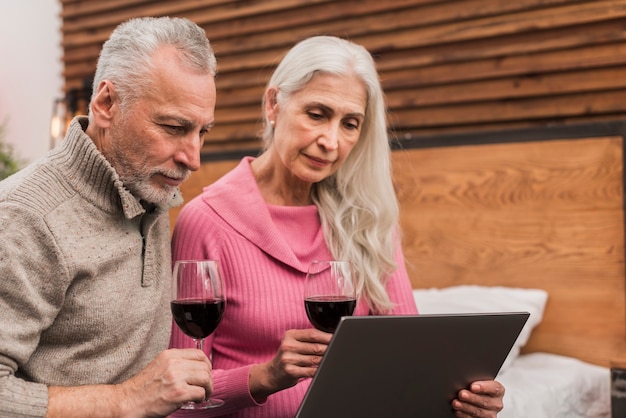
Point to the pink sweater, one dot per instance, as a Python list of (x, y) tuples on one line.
[(264, 253)]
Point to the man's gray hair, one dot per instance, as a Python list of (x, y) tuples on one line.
[(125, 58)]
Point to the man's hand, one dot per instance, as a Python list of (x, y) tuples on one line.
[(174, 377)]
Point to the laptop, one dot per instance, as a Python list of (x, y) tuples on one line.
[(407, 366)]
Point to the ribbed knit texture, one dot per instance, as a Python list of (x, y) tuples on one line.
[(264, 253), (79, 304)]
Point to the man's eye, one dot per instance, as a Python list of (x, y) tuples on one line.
[(175, 129), (316, 116)]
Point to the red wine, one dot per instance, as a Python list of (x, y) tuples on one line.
[(324, 312), (197, 318)]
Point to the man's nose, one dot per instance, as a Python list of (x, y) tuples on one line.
[(189, 153)]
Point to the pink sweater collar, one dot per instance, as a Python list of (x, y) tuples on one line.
[(238, 201)]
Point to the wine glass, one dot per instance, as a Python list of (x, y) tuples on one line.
[(197, 305), (329, 293)]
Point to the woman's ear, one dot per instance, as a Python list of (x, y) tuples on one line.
[(102, 103), (271, 103)]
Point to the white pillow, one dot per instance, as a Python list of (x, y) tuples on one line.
[(476, 299)]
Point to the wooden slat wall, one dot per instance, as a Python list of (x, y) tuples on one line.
[(446, 66)]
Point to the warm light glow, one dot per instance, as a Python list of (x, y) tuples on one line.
[(57, 122), (55, 126)]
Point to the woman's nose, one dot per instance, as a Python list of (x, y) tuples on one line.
[(330, 138)]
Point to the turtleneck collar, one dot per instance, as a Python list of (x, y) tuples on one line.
[(91, 174)]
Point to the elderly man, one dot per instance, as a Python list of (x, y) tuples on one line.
[(84, 238)]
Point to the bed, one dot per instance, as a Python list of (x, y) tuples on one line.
[(532, 220)]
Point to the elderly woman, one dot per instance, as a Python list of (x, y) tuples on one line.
[(321, 189)]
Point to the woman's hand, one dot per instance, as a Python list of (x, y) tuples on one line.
[(483, 399), (298, 356)]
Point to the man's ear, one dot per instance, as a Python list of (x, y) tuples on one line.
[(102, 103)]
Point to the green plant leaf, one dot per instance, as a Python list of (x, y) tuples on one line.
[(9, 163)]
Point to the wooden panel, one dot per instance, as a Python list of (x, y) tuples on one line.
[(469, 115), (446, 65), (543, 215)]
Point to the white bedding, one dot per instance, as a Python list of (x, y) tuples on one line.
[(542, 385)]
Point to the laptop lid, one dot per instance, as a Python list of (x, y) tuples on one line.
[(407, 366)]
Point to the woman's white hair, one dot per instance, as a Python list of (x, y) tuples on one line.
[(358, 205), (126, 57)]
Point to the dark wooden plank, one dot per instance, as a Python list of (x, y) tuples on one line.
[(400, 135), (587, 57), (549, 108), (529, 85), (90, 14), (201, 11)]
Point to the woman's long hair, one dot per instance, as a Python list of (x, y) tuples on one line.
[(357, 205)]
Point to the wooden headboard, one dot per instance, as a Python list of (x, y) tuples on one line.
[(535, 208)]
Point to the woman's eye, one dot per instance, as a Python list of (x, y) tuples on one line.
[(352, 125)]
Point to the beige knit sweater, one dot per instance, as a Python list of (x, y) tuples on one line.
[(84, 277)]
